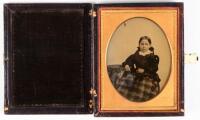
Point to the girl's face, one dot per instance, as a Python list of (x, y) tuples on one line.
[(144, 45)]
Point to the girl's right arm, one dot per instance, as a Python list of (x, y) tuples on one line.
[(128, 63)]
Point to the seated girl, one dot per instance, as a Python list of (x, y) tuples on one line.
[(140, 82)]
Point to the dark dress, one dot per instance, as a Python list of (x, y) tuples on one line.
[(140, 86)]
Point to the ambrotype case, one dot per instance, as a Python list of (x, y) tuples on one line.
[(74, 59)]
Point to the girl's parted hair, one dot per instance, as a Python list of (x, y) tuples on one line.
[(148, 39), (145, 37)]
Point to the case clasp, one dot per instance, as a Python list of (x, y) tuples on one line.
[(6, 59), (190, 58), (5, 109)]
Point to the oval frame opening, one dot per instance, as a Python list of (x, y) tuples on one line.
[(124, 42)]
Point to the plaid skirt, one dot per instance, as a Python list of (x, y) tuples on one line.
[(137, 88)]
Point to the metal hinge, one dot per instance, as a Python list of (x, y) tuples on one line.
[(93, 92), (190, 58), (91, 104), (92, 13), (91, 101)]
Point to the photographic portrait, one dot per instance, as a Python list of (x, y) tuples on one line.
[(137, 50)]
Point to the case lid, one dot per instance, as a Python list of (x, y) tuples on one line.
[(47, 58)]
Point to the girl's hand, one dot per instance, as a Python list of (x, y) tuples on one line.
[(140, 70), (127, 68)]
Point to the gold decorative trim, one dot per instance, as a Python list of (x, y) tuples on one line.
[(106, 102)]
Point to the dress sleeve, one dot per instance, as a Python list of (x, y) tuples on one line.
[(129, 61), (152, 66)]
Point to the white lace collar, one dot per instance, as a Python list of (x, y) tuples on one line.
[(145, 53)]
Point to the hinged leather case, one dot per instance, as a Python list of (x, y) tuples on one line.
[(55, 58)]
